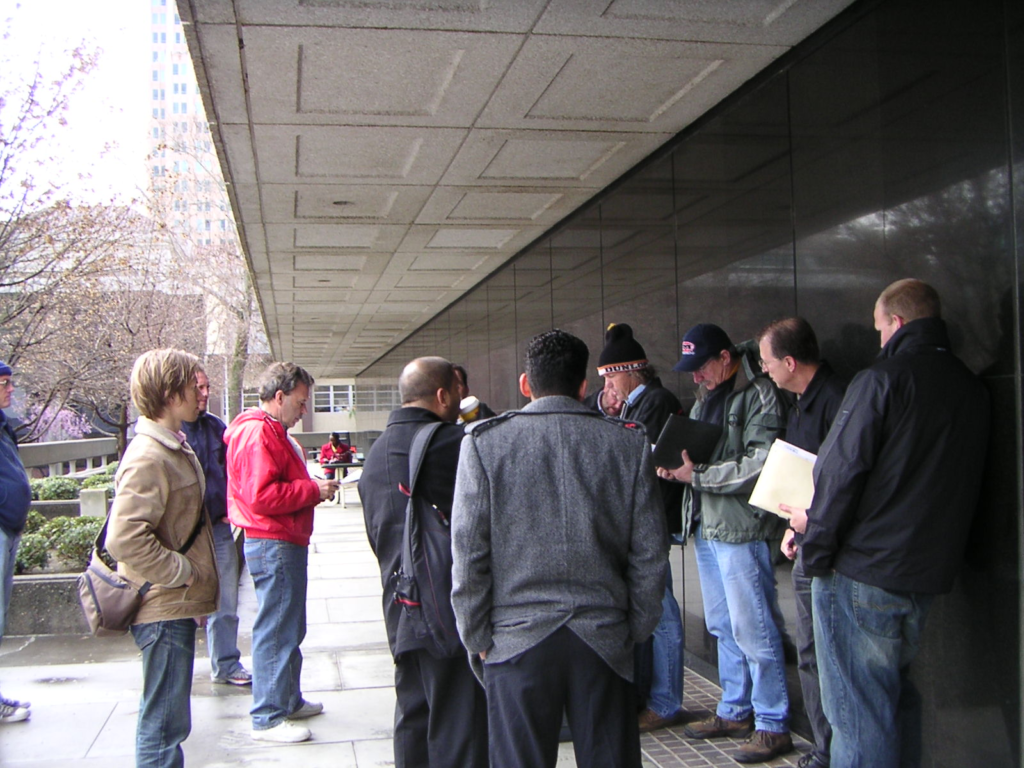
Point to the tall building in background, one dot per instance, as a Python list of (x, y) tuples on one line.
[(188, 199), (186, 181)]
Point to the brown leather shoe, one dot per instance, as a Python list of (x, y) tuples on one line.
[(764, 746), (651, 721), (718, 727)]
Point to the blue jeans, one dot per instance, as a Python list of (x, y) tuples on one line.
[(8, 553), (278, 571), (222, 626), (866, 638), (165, 719), (666, 696), (738, 587)]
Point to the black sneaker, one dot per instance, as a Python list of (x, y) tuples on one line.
[(764, 746), (718, 727)]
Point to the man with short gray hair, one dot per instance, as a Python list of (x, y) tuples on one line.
[(271, 496)]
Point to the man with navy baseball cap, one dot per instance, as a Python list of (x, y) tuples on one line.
[(17, 496), (731, 543)]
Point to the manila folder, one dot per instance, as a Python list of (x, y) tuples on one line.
[(786, 478)]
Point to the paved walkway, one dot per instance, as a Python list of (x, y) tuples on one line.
[(85, 691)]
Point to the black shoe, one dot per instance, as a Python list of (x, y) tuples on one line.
[(718, 727), (764, 746)]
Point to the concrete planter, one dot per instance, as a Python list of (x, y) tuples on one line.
[(52, 509), (46, 604)]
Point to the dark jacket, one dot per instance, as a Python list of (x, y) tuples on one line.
[(811, 415), (205, 436), (652, 409), (898, 477), (385, 467), (15, 494)]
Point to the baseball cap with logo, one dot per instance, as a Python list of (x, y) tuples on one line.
[(700, 344)]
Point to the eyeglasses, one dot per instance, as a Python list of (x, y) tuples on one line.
[(7, 384)]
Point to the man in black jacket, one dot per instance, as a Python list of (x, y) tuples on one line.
[(440, 714), (659, 662), (206, 436), (790, 356), (896, 486)]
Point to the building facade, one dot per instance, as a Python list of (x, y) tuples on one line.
[(889, 144)]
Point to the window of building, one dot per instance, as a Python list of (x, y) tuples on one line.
[(184, 88), (156, 94), (380, 397), (156, 55), (177, 37), (174, 107), (175, 87), (163, 37), (174, 69), (156, 37), (177, 19), (156, 113), (250, 398), (184, 108), (156, 75), (156, 18), (163, 94), (332, 398)]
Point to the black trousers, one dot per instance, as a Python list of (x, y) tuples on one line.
[(440, 715), (527, 695)]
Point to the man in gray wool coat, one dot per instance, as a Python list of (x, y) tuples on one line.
[(559, 557)]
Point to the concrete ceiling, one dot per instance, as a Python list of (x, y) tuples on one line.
[(385, 156)]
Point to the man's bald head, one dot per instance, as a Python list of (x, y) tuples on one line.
[(422, 379)]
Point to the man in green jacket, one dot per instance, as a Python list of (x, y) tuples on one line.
[(731, 544)]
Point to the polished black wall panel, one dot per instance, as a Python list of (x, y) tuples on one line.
[(892, 145)]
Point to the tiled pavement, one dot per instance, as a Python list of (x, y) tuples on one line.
[(85, 691)]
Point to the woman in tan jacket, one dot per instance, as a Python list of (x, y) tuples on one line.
[(158, 509)]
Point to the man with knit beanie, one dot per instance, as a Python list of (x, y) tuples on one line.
[(659, 675), (16, 497), (731, 543)]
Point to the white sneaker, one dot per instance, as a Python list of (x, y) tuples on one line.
[(13, 714), (308, 709), (283, 733)]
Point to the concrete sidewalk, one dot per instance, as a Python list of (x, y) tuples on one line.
[(85, 691)]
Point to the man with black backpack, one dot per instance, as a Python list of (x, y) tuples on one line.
[(440, 714)]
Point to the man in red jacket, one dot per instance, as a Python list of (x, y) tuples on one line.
[(271, 496)]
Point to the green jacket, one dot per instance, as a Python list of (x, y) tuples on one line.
[(755, 416)]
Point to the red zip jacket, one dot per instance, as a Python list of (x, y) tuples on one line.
[(270, 492)]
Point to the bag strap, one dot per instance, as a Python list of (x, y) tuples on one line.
[(417, 451), (100, 544)]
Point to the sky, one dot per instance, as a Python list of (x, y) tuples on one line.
[(106, 136)]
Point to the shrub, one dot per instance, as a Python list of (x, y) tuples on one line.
[(100, 481), (33, 553), (111, 468), (72, 538), (58, 488), (35, 484), (34, 522)]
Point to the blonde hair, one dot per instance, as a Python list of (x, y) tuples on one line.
[(159, 375), (910, 299)]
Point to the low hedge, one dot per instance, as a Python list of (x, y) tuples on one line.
[(70, 539)]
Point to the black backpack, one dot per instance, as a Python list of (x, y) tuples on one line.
[(422, 586)]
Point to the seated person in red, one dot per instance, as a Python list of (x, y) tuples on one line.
[(334, 451)]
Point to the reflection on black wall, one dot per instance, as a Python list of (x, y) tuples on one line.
[(879, 152)]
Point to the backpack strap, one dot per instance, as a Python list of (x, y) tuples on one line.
[(417, 451)]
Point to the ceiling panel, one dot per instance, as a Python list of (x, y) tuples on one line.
[(386, 156)]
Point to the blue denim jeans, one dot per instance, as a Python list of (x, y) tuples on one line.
[(165, 718), (738, 588), (8, 553), (222, 626), (866, 638), (278, 571), (666, 696)]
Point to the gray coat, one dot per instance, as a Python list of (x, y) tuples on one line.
[(557, 522)]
